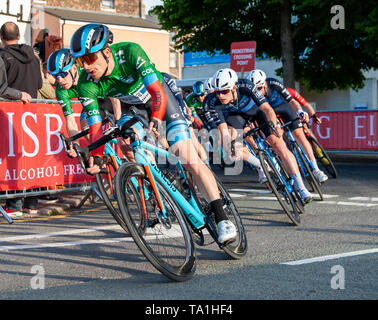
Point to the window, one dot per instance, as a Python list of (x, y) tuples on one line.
[(107, 4), (172, 60)]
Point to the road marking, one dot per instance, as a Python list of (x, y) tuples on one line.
[(330, 257), (250, 191), (315, 195), (344, 203), (237, 195), (62, 244), (363, 198), (59, 233), (174, 232)]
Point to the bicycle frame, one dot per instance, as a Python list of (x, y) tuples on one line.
[(290, 141), (262, 146), (190, 206)]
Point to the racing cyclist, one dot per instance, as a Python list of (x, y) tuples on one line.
[(124, 71), (283, 104), (310, 112), (194, 102), (234, 103), (68, 75)]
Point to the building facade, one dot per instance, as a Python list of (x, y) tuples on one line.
[(19, 12), (125, 19)]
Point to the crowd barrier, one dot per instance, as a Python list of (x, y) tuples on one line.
[(32, 154), (32, 157)]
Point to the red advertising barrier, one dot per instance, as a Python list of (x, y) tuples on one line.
[(31, 152), (348, 130)]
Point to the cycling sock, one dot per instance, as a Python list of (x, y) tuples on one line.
[(217, 208), (298, 181), (314, 164), (253, 160)]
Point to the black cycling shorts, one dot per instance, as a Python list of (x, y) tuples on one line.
[(285, 111), (239, 120)]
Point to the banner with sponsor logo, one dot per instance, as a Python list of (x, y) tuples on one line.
[(348, 130), (31, 152), (202, 57)]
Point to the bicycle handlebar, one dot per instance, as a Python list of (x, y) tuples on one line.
[(284, 125), (83, 152), (255, 130)]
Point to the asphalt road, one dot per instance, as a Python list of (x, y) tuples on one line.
[(87, 256)]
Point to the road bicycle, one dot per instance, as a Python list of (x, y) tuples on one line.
[(165, 214), (279, 182), (104, 179), (304, 164), (319, 152)]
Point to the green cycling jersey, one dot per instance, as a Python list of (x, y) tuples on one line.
[(193, 103), (64, 96), (132, 73)]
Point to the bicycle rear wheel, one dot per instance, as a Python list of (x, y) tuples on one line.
[(105, 184), (322, 157), (166, 243), (279, 188), (238, 248)]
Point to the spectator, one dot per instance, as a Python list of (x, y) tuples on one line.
[(46, 44), (47, 90), (24, 74), (40, 43), (7, 92), (23, 68)]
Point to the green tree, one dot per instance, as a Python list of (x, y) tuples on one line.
[(298, 32)]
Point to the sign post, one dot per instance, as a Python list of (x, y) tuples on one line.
[(243, 55)]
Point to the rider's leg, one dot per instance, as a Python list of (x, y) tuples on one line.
[(200, 149), (204, 179), (307, 148), (290, 164)]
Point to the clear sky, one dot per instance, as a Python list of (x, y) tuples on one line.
[(151, 3)]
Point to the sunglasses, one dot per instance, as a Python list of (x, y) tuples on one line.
[(89, 58), (62, 74), (260, 88), (223, 91)]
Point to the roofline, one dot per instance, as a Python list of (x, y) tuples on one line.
[(42, 7), (116, 26)]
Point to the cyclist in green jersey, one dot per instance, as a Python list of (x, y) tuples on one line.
[(124, 71), (194, 101), (61, 66)]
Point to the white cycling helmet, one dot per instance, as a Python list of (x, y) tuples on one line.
[(208, 85), (224, 79), (258, 77)]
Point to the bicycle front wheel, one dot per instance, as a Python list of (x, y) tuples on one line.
[(322, 157), (105, 184), (165, 241), (279, 188), (306, 171)]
